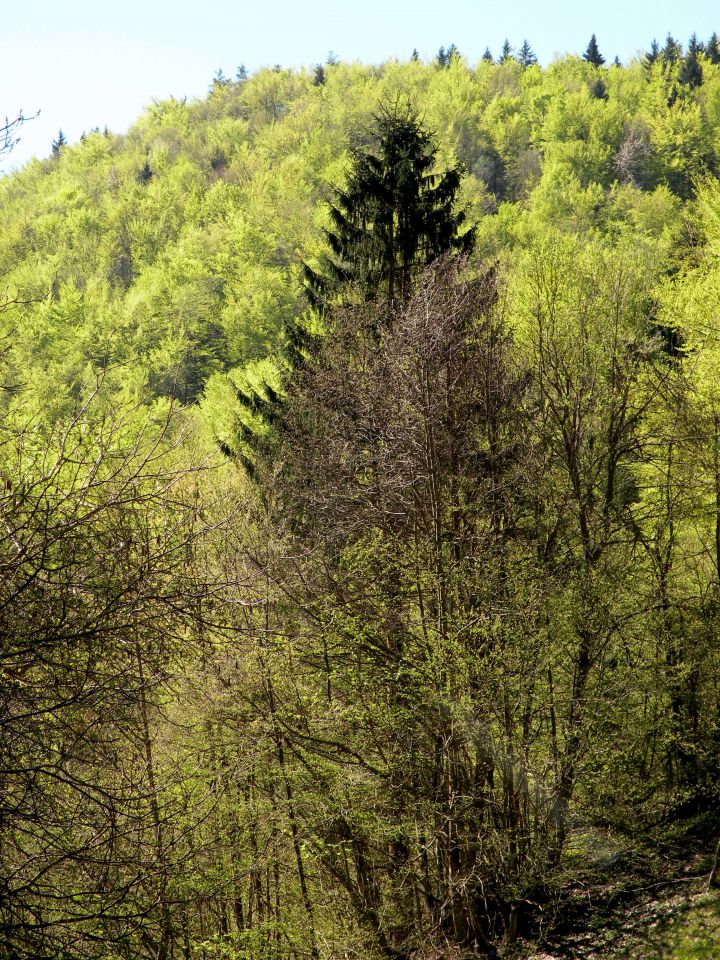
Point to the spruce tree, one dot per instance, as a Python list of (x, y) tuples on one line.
[(712, 50), (672, 50), (592, 54), (319, 75), (395, 215), (241, 75), (442, 58), (58, 144), (691, 68), (506, 52), (652, 55), (452, 54), (415, 55), (487, 56), (525, 55)]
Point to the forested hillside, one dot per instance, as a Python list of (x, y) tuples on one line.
[(360, 503)]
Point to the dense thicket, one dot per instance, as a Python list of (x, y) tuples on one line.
[(454, 643)]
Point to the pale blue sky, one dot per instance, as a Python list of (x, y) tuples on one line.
[(87, 63)]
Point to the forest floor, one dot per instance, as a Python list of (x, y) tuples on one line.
[(649, 903)]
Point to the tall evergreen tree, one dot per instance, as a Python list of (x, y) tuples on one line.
[(712, 50), (506, 52), (395, 215), (525, 55), (452, 54), (487, 56), (691, 68), (415, 55), (58, 144), (441, 57), (319, 75), (592, 54), (652, 55), (672, 51)]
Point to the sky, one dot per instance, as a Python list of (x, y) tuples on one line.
[(88, 63)]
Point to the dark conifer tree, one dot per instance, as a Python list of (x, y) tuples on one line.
[(672, 51), (616, 62), (712, 50), (691, 68), (220, 80), (58, 144), (652, 55), (525, 55), (241, 75), (394, 216), (506, 52), (452, 54), (488, 55), (441, 57), (319, 75), (592, 54), (415, 56)]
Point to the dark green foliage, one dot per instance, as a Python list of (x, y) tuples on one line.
[(58, 144), (145, 173), (395, 215), (598, 88), (712, 50), (319, 75), (672, 51), (241, 74), (488, 55), (652, 55), (506, 52), (415, 57), (691, 68), (525, 56), (592, 54), (220, 80), (445, 57)]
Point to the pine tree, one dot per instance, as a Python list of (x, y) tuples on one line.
[(506, 52), (487, 56), (712, 50), (394, 216), (525, 55), (616, 62), (691, 69), (415, 55), (441, 57), (592, 54), (241, 75), (319, 75)]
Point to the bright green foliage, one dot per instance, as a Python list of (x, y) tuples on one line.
[(398, 697)]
